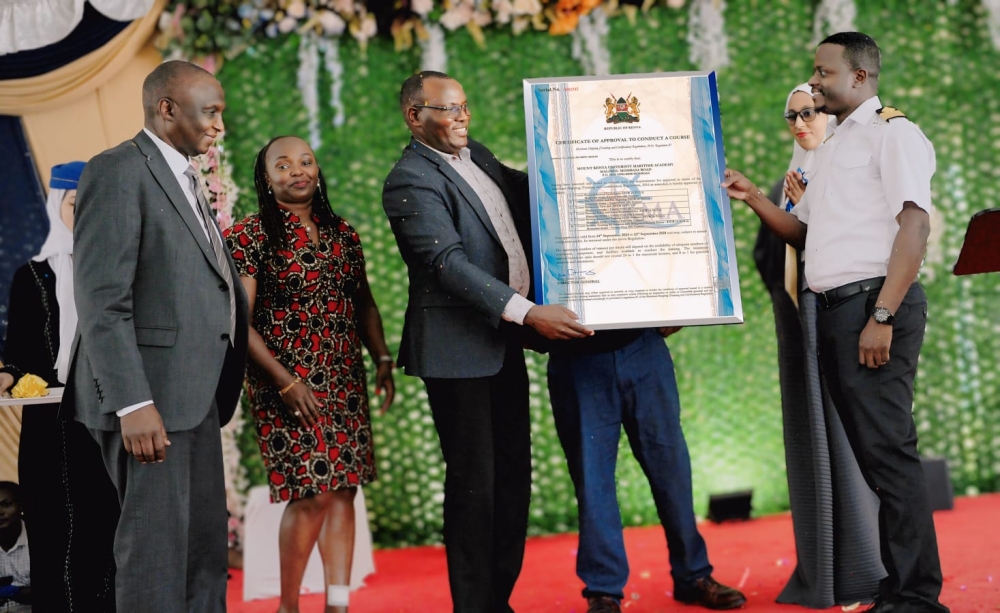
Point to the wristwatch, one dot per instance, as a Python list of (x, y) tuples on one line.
[(882, 315)]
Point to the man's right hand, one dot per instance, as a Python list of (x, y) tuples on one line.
[(554, 321), (144, 435)]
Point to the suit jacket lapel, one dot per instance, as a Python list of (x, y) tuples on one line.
[(161, 172), (463, 186)]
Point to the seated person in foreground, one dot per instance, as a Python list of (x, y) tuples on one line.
[(15, 564)]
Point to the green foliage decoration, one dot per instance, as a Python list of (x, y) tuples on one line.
[(938, 67)]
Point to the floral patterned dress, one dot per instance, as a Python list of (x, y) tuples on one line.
[(305, 312)]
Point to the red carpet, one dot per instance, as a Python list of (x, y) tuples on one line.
[(758, 553)]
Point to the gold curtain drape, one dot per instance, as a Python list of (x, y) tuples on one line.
[(89, 105), (10, 434), (63, 85)]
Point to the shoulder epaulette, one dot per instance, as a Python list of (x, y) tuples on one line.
[(890, 112)]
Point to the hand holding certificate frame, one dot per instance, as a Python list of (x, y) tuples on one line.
[(629, 223)]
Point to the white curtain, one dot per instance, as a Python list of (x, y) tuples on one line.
[(30, 24)]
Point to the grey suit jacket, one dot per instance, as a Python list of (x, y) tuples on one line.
[(152, 303), (458, 269)]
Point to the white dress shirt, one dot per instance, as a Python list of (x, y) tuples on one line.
[(864, 172), (179, 163), (499, 212)]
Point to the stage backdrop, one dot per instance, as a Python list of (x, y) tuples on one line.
[(939, 68)]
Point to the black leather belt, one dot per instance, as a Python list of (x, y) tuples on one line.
[(835, 296)]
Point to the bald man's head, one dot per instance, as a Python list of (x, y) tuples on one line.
[(183, 105), (166, 80)]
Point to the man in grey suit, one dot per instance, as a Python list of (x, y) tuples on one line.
[(161, 346), (461, 221)]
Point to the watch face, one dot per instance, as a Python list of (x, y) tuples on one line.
[(882, 315)]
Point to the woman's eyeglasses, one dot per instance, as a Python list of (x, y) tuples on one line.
[(807, 115), (454, 111)]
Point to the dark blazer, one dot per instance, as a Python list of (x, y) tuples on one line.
[(457, 267), (152, 304)]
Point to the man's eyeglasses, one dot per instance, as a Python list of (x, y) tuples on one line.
[(807, 115), (454, 111)]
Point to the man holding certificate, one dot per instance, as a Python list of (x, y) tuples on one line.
[(864, 222), (461, 222)]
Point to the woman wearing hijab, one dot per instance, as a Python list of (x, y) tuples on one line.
[(70, 506), (834, 514)]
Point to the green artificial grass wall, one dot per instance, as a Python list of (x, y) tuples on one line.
[(938, 67)]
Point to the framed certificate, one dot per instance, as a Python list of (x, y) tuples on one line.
[(630, 225)]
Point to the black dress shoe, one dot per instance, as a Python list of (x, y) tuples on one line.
[(602, 604), (710, 594)]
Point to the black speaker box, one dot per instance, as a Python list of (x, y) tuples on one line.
[(730, 506), (939, 492)]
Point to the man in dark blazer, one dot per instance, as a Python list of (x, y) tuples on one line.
[(159, 356), (461, 221)]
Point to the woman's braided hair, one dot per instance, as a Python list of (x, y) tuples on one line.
[(271, 218)]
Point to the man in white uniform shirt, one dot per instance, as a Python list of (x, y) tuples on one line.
[(864, 222)]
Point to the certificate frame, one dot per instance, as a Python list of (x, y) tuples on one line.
[(677, 212)]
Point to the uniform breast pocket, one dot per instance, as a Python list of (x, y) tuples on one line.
[(852, 159)]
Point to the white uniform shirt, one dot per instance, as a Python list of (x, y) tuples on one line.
[(864, 172)]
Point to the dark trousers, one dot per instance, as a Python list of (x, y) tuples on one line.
[(593, 396), (70, 510), (485, 435), (171, 543), (875, 406)]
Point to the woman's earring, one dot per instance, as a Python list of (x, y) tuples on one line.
[(269, 188)]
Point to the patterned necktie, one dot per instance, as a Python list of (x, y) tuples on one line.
[(220, 250)]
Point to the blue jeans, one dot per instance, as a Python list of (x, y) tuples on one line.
[(593, 396)]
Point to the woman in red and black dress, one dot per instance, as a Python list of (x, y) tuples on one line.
[(312, 309)]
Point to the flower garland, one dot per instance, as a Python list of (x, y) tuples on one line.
[(833, 16), (334, 67), (993, 20), (224, 28), (217, 182), (434, 53), (311, 46), (308, 82), (707, 34), (589, 43)]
